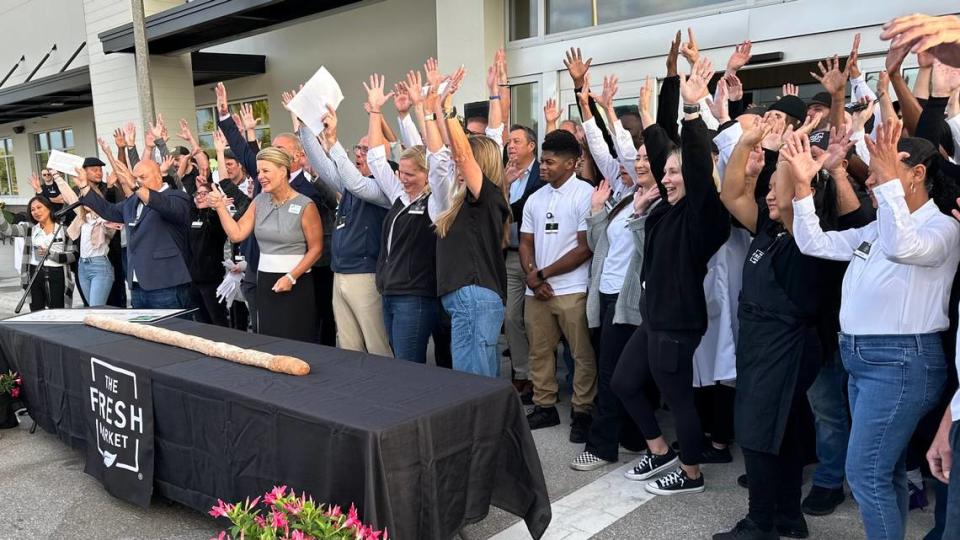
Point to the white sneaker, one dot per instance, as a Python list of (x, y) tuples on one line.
[(586, 461)]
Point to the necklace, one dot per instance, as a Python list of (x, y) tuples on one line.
[(284, 201)]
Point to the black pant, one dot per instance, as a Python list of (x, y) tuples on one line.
[(715, 407), (210, 310), (75, 268), (249, 289), (239, 316), (442, 355), (48, 288), (289, 315), (118, 293), (776, 479), (667, 358), (611, 423), (323, 292)]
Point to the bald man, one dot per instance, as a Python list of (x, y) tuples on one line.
[(157, 221)]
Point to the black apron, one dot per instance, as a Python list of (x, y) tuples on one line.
[(777, 348)]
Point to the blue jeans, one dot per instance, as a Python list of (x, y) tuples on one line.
[(894, 381), (96, 279), (829, 405), (176, 297), (409, 321), (476, 315)]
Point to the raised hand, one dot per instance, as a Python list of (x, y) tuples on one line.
[(789, 89), (831, 77), (432, 69), (185, 132), (694, 86), (801, 163), (501, 64), (895, 57), (215, 199), (576, 66), (81, 179), (551, 113), (148, 139), (118, 139), (885, 159), (883, 84), (512, 171), (219, 141), (583, 96), (719, 104), (809, 124), (35, 183), (840, 144), (920, 33), (673, 55), (600, 195), (755, 162), (330, 125), (130, 134), (646, 101), (852, 67), (401, 99), (453, 84), (156, 130), (414, 86), (166, 164), (945, 79), (222, 108), (689, 49), (861, 117), (734, 87), (642, 201), (112, 180), (757, 130), (740, 57), (104, 146), (609, 92), (246, 116)]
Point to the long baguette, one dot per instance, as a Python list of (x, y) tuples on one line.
[(216, 349)]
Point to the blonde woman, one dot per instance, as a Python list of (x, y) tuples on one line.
[(468, 183), (287, 227)]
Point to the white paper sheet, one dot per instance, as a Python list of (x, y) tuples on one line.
[(76, 315), (64, 162), (310, 103)]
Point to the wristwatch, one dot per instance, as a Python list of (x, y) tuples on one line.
[(540, 275), (430, 117), (691, 109), (450, 113)]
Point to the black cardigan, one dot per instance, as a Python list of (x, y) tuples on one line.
[(682, 237)]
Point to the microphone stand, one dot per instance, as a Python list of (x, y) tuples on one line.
[(23, 298)]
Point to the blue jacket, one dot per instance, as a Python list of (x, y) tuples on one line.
[(157, 243), (356, 235)]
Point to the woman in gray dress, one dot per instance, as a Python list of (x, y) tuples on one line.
[(287, 227)]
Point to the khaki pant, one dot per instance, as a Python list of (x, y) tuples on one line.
[(545, 322), (359, 314), (513, 317)]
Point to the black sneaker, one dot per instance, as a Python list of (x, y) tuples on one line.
[(822, 501), (543, 417), (746, 529), (712, 454), (676, 483), (651, 464), (743, 481), (580, 427), (792, 527)]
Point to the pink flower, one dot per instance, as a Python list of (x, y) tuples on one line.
[(274, 494), (335, 512), (221, 509), (14, 392), (352, 520), (299, 535), (293, 507), (260, 521), (278, 520), (222, 536)]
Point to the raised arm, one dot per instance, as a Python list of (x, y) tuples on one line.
[(697, 160), (459, 145), (551, 114), (238, 144), (608, 165), (495, 128), (909, 106), (746, 160), (237, 230), (108, 211), (834, 81)]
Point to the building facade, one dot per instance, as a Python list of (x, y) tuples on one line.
[(70, 73)]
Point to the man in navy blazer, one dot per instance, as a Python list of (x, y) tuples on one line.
[(157, 220), (523, 176)]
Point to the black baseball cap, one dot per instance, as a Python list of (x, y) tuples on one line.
[(92, 162), (821, 98)]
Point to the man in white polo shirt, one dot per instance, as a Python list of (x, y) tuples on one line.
[(555, 255)]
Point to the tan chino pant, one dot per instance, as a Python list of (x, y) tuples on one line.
[(545, 322), (358, 311)]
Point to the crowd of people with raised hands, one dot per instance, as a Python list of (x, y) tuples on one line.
[(778, 276)]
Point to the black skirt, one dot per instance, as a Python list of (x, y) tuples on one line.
[(289, 315)]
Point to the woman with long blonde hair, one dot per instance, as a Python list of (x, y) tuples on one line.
[(468, 183)]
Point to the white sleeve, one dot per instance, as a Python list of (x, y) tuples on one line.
[(409, 135), (583, 210), (810, 238), (859, 88), (860, 146), (383, 174), (526, 226), (609, 167), (354, 181), (705, 113), (726, 141), (441, 171), (903, 240), (626, 152), (496, 133), (322, 165)]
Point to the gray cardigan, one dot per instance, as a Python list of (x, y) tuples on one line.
[(627, 310)]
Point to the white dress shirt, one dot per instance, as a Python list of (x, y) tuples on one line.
[(610, 167), (901, 265), (621, 250), (569, 207)]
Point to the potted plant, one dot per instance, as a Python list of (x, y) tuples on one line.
[(285, 516), (9, 391)]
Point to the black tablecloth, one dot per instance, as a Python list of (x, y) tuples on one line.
[(420, 450)]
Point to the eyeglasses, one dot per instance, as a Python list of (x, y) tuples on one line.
[(360, 148), (45, 175)]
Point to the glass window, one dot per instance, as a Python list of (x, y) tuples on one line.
[(910, 76), (564, 15), (8, 173), (609, 11), (525, 106), (523, 19), (56, 139), (207, 121)]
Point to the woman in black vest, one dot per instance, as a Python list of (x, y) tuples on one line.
[(406, 267)]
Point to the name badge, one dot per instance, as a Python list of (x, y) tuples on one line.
[(239, 258), (197, 224), (341, 222), (295, 209), (551, 228), (863, 251)]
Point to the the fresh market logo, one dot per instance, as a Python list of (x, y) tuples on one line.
[(119, 416)]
